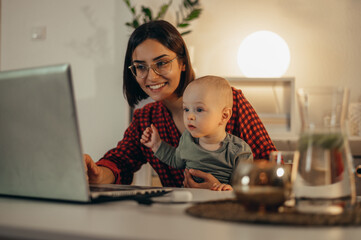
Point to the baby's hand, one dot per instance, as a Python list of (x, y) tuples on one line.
[(145, 140), (150, 138), (221, 187)]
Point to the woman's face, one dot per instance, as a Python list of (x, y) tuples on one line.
[(158, 87)]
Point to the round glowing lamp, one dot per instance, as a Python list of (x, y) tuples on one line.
[(263, 54)]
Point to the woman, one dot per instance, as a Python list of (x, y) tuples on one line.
[(157, 65)]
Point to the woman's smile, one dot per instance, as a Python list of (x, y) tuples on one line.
[(156, 86)]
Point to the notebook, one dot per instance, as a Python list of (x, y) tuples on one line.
[(40, 148)]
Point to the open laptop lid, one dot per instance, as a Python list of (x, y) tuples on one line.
[(40, 149)]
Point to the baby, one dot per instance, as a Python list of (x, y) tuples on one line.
[(205, 145)]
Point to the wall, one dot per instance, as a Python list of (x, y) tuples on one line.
[(91, 36), (323, 36)]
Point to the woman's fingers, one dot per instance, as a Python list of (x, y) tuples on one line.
[(200, 174), (186, 177), (93, 171), (209, 179)]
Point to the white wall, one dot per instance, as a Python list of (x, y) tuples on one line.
[(91, 36), (324, 37)]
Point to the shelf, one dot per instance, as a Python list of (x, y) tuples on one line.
[(273, 99)]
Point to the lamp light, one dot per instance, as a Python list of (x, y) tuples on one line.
[(263, 54)]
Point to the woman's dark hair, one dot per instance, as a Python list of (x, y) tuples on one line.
[(168, 36)]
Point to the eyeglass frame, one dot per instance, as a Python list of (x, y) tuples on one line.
[(151, 66)]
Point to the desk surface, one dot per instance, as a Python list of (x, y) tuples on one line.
[(34, 219)]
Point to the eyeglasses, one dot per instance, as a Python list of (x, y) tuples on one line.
[(161, 68)]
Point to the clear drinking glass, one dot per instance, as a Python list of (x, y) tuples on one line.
[(323, 175), (286, 160), (261, 185)]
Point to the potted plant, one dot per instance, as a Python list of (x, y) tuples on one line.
[(187, 12)]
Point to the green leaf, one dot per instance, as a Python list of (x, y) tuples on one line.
[(163, 10), (193, 3), (183, 25), (194, 14), (186, 4), (135, 23), (189, 3), (127, 2), (186, 32), (132, 10), (147, 14)]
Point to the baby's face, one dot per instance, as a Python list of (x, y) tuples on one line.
[(202, 111)]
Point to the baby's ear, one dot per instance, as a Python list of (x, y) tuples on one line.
[(226, 114)]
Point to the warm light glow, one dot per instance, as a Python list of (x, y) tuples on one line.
[(263, 54), (280, 172), (245, 180)]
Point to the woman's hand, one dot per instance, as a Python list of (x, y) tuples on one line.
[(209, 180), (95, 173)]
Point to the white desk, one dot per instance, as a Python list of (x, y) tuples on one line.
[(33, 219)]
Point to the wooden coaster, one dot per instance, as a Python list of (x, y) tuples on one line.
[(232, 210)]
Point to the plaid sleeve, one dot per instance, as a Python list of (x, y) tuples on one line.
[(127, 157), (246, 124)]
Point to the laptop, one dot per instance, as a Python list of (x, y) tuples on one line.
[(40, 148)]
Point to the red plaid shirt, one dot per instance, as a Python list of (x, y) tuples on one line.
[(130, 154)]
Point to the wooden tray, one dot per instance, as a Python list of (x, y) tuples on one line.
[(231, 210)]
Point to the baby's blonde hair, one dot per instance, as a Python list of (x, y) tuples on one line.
[(218, 85)]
